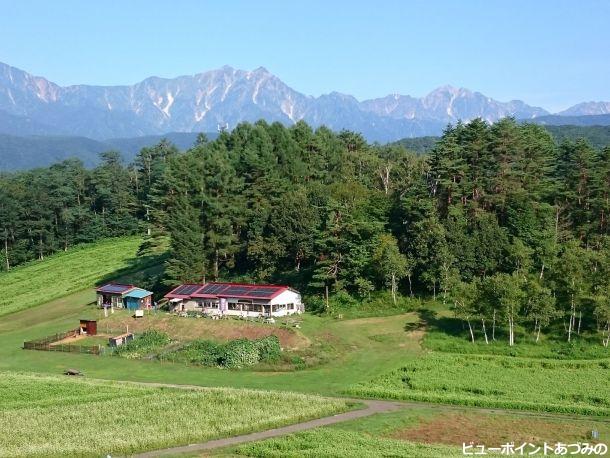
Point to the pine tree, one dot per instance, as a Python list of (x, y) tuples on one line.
[(187, 262)]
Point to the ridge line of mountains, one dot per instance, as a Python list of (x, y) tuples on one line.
[(33, 105), (42, 122)]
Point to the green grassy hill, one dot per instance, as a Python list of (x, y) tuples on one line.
[(64, 273)]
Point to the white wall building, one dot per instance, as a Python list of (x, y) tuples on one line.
[(237, 299)]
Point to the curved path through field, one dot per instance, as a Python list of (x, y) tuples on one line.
[(372, 407)]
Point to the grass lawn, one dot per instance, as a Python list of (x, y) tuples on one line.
[(65, 273), (53, 416), (388, 356), (354, 351)]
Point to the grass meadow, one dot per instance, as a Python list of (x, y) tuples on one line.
[(52, 416), (64, 273), (326, 442), (426, 431), (546, 376), (574, 387)]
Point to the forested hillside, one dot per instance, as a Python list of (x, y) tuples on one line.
[(597, 136), (21, 153), (418, 144), (497, 220)]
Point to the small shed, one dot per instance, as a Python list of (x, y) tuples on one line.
[(111, 295), (88, 327), (115, 295), (117, 341), (138, 298)]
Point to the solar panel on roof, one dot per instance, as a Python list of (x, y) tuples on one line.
[(233, 290), (185, 290), (237, 290), (212, 289), (114, 289)]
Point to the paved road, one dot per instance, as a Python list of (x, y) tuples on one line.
[(372, 407)]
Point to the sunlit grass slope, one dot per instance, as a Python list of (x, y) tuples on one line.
[(64, 273)]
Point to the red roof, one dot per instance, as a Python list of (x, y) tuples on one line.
[(234, 290)]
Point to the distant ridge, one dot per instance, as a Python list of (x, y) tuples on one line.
[(580, 120), (597, 136), (227, 95), (25, 152)]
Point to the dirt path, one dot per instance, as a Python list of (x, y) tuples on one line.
[(372, 407)]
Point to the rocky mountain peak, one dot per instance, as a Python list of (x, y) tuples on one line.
[(229, 95)]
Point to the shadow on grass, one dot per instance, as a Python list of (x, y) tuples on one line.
[(143, 271)]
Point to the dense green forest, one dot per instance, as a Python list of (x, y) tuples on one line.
[(497, 220), (418, 144), (597, 136)]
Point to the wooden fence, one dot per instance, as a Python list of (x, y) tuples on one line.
[(46, 344)]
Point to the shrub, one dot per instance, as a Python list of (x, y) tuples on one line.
[(148, 342), (239, 353), (378, 303), (269, 349), (233, 354), (298, 362), (204, 352)]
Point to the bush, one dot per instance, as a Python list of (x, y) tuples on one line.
[(148, 342), (233, 354), (239, 353), (343, 300), (269, 349), (298, 362), (204, 352)]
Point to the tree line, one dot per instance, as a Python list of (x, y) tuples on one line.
[(497, 220)]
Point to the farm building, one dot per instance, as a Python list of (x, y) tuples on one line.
[(122, 339), (236, 299), (115, 295), (88, 327)]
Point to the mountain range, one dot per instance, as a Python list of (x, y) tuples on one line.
[(33, 105)]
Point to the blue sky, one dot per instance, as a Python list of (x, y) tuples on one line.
[(548, 53)]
